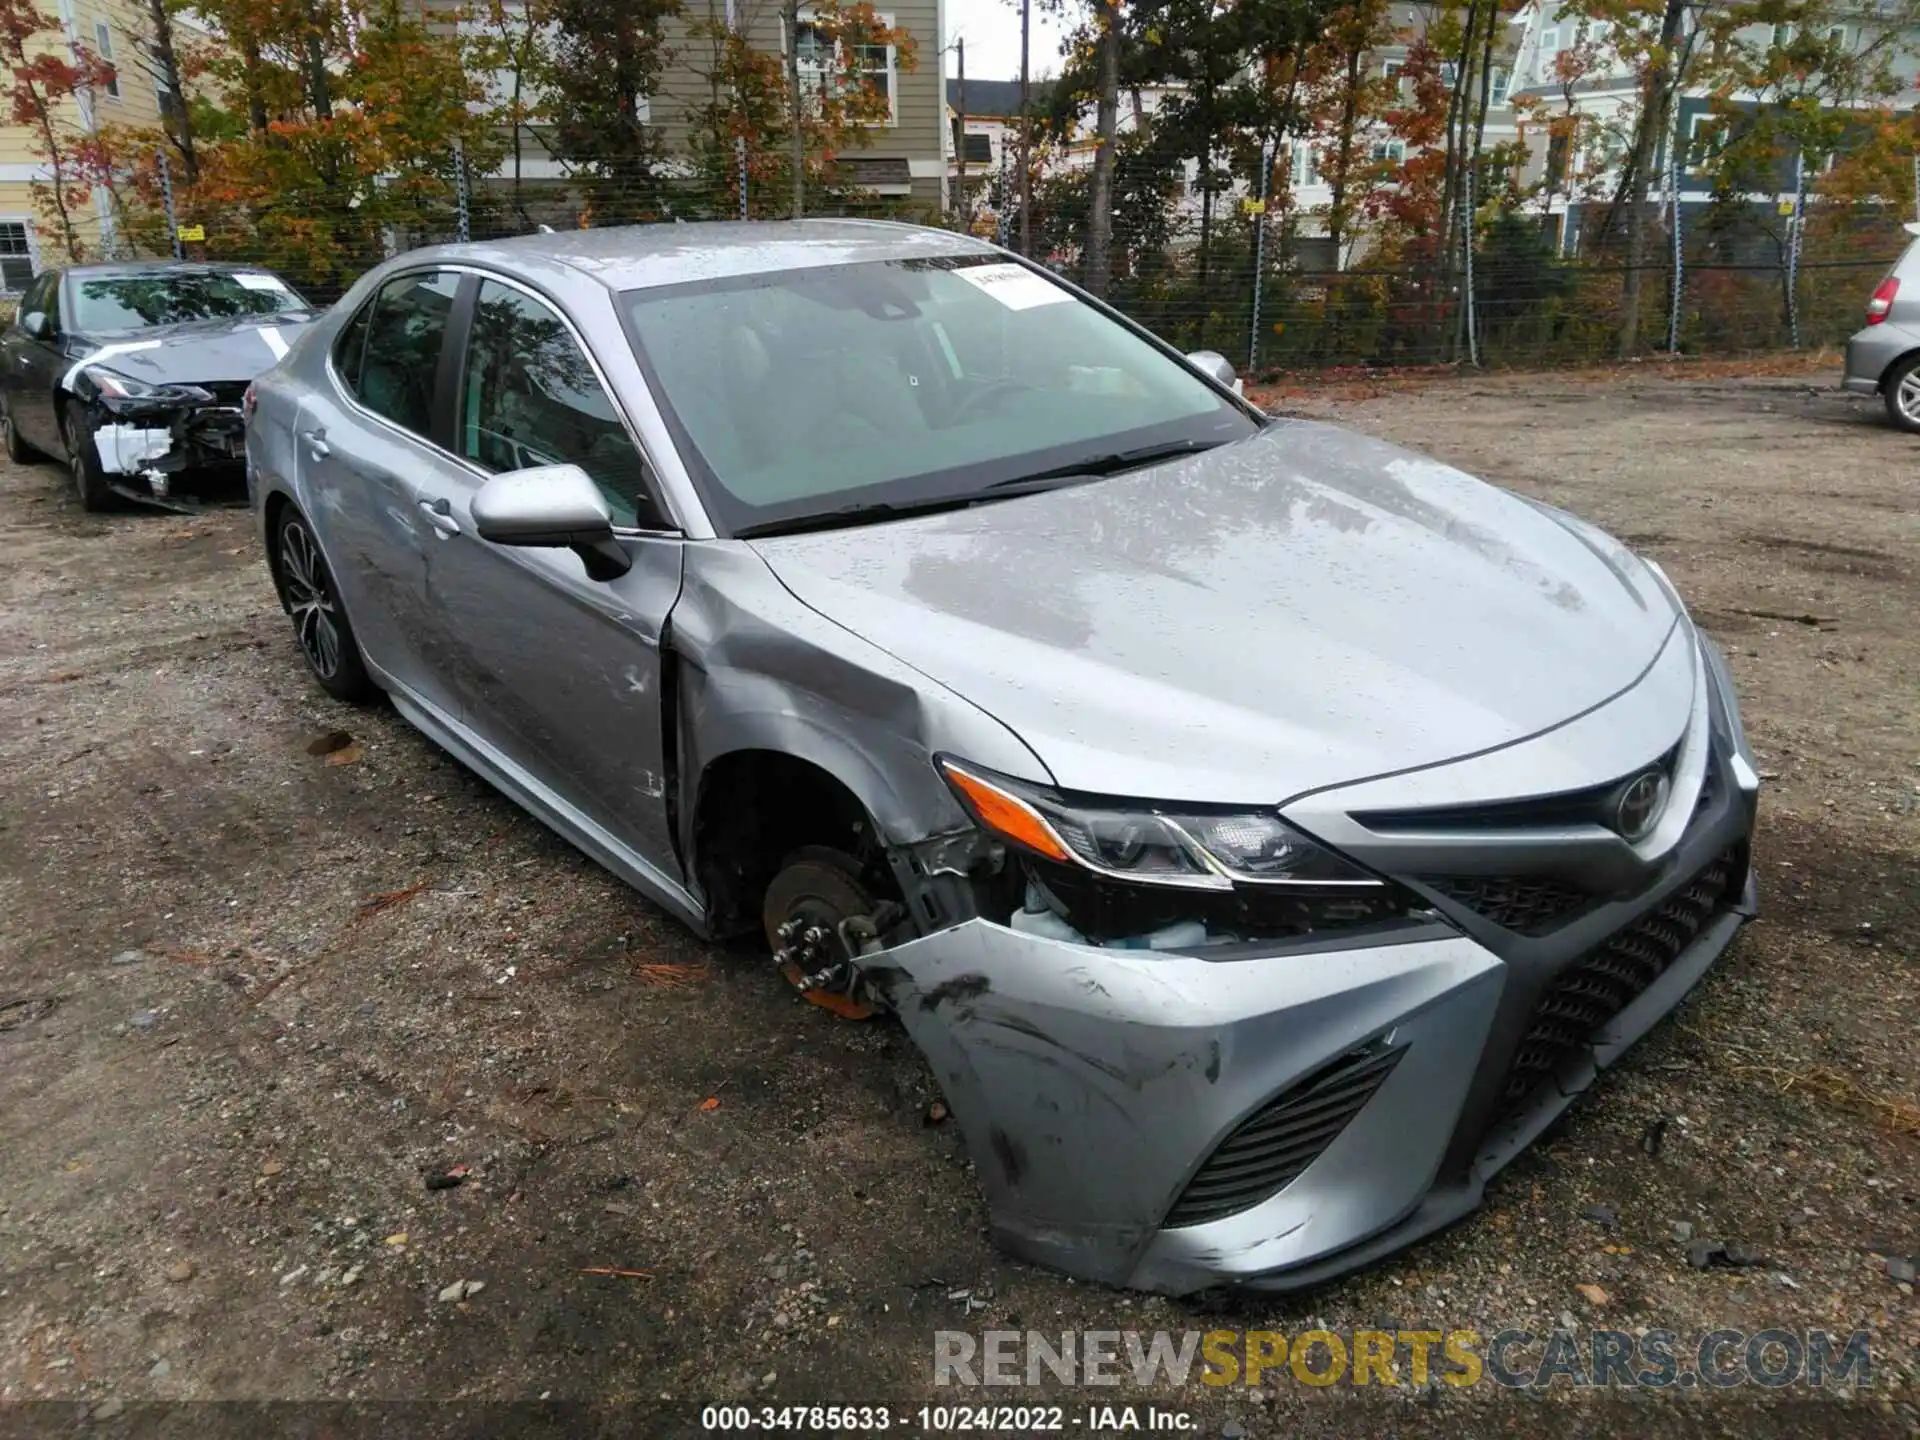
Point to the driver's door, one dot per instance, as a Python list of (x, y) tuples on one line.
[(558, 672)]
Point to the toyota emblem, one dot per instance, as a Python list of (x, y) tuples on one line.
[(1640, 804)]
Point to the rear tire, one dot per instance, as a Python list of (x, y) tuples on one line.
[(83, 465), (1902, 392), (18, 451), (320, 623)]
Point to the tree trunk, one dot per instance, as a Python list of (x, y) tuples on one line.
[(1098, 265), (174, 117), (1656, 94), (319, 82), (250, 63)]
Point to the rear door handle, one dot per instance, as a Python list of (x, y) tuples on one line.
[(440, 515), (316, 443)]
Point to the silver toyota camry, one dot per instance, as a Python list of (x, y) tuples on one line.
[(1264, 831)]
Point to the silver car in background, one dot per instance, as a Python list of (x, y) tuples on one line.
[(1264, 831), (1883, 358)]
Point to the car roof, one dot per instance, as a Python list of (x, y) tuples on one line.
[(632, 257)]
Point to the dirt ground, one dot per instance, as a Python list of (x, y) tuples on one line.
[(251, 995)]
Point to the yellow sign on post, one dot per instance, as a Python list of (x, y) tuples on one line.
[(1786, 207), (1254, 207), (191, 232)]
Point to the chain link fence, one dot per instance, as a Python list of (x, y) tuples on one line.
[(1738, 281)]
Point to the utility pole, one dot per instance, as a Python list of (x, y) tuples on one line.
[(1026, 133), (960, 136), (799, 157)]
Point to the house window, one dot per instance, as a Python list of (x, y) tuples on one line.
[(1391, 69), (1501, 83), (1837, 36), (1305, 169), (1394, 150), (103, 46), (870, 66), (1706, 135), (1780, 37), (1550, 41), (16, 257)]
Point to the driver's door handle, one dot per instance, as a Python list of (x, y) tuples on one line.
[(439, 513), (316, 443)]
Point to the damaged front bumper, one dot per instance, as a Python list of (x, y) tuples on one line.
[(183, 450), (1098, 1088), (1272, 1115)]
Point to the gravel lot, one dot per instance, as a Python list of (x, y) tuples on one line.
[(251, 995)]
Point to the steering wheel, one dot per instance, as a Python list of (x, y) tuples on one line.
[(979, 399)]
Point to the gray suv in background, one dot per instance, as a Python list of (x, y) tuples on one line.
[(1884, 357), (1264, 831)]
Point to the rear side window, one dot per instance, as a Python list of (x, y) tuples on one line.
[(348, 346), (408, 320)]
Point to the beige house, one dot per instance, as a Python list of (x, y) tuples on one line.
[(111, 29), (906, 155)]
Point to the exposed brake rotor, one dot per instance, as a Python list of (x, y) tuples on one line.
[(819, 963)]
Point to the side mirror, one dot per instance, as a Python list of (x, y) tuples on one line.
[(551, 506), (36, 324), (1216, 366)]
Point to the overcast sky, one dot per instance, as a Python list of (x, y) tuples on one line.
[(992, 32)]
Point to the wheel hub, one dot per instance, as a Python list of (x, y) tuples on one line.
[(814, 950)]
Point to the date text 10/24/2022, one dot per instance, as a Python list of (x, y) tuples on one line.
[(927, 1419)]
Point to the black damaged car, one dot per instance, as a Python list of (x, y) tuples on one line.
[(134, 375)]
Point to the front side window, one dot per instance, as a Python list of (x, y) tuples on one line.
[(530, 397), (815, 392), (402, 357), (36, 297), (139, 299)]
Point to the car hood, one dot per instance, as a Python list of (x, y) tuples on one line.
[(198, 353), (1303, 608)]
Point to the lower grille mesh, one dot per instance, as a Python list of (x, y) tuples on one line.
[(1606, 980), (1283, 1137), (1526, 905)]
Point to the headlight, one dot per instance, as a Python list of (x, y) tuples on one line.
[(1150, 845), (115, 386)]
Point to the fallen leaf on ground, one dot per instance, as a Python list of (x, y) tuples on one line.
[(331, 741), (611, 1270), (397, 1238), (1593, 1295), (937, 1112), (344, 757), (712, 1102), (272, 1167), (669, 975), (386, 899)]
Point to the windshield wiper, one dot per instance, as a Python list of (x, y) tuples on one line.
[(1060, 476), (1113, 462), (871, 512)]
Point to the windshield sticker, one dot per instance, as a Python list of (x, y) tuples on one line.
[(1014, 286), (255, 281)]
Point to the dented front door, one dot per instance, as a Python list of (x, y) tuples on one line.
[(561, 673)]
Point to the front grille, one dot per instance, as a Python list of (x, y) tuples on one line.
[(1525, 904), (1603, 982), (1282, 1138)]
